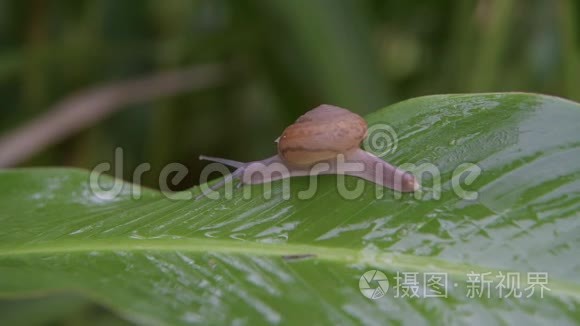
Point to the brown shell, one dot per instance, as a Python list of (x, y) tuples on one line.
[(321, 134)]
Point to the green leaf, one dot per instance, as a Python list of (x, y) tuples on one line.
[(161, 261)]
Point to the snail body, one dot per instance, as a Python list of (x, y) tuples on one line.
[(328, 137)]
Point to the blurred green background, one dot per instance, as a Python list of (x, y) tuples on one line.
[(275, 60)]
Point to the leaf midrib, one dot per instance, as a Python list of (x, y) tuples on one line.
[(380, 259)]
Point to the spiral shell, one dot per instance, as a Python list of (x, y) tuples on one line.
[(321, 134)]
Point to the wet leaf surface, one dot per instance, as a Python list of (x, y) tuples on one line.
[(246, 261)]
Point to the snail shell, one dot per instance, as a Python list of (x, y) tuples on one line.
[(321, 134)]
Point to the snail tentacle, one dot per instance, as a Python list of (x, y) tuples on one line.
[(224, 161)]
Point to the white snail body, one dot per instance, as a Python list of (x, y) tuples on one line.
[(326, 136)]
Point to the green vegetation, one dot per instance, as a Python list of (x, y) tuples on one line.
[(281, 58), (160, 261), (169, 80)]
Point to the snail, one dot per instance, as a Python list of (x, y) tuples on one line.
[(327, 137)]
